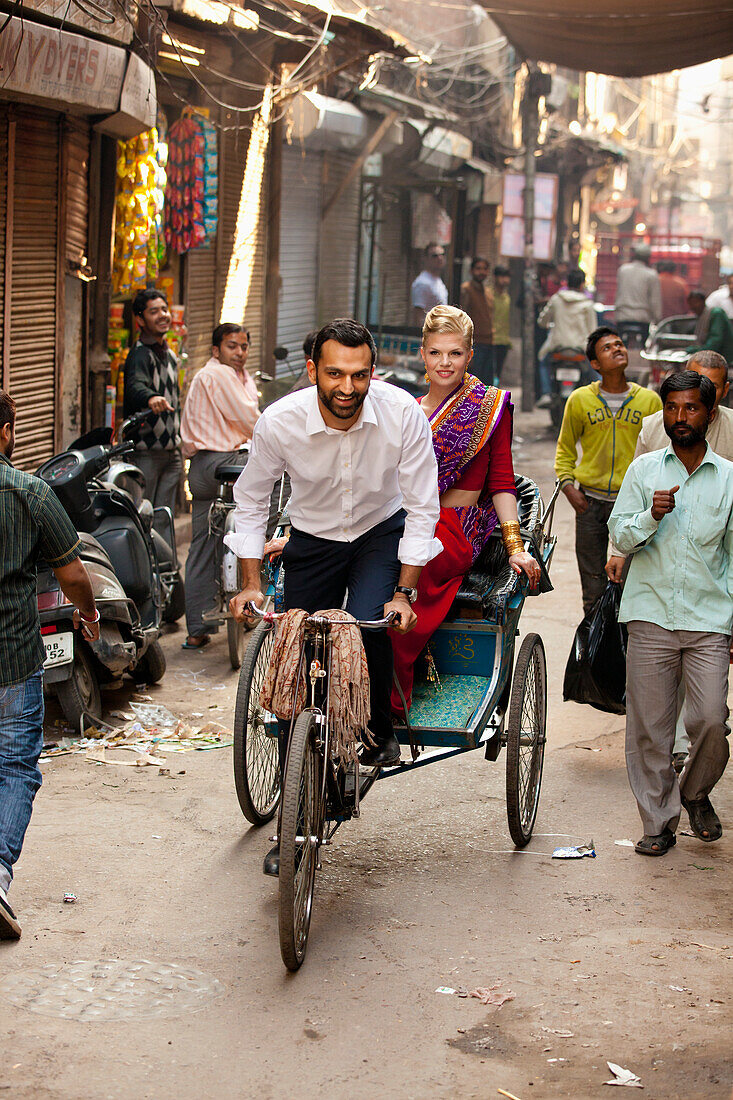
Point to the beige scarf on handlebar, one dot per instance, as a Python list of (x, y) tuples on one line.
[(349, 680)]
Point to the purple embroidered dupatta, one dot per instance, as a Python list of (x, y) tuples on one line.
[(461, 426)]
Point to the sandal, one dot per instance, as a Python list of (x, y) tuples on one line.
[(656, 845), (201, 645), (704, 821)]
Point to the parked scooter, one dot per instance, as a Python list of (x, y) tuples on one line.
[(130, 566), (567, 374)]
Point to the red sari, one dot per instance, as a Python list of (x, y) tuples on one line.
[(472, 432)]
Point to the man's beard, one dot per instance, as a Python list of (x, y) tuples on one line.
[(339, 410), (690, 438)]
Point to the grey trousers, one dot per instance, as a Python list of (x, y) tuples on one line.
[(162, 471), (656, 661), (202, 560), (591, 549)]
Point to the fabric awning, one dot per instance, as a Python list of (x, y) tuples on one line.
[(618, 37)]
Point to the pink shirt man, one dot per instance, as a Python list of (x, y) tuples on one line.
[(221, 409)]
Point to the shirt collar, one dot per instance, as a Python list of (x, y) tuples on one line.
[(314, 422), (710, 457), (6, 461), (151, 342), (215, 364)]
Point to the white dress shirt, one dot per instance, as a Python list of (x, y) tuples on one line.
[(344, 483), (428, 290), (721, 297)]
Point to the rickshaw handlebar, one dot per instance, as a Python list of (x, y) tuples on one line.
[(363, 624)]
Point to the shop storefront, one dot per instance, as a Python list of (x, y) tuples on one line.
[(319, 218), (58, 85)]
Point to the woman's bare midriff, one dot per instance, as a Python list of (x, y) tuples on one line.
[(459, 498)]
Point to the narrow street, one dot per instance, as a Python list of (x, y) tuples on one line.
[(617, 958)]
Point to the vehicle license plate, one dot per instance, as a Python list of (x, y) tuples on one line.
[(59, 649), (567, 374)]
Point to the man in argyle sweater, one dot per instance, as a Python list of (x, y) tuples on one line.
[(151, 381)]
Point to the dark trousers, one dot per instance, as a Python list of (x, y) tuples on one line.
[(203, 564), (319, 573), (162, 471), (482, 363), (591, 549), (203, 560), (499, 354)]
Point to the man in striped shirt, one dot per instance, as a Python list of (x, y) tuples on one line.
[(220, 414), (33, 525)]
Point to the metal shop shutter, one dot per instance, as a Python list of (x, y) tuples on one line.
[(76, 136), (235, 144), (3, 220), (339, 242), (200, 303), (300, 228), (394, 266), (31, 367)]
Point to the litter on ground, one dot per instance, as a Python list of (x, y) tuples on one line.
[(623, 1076), (492, 995), (575, 852), (146, 741)]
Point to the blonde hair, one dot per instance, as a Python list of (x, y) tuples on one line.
[(448, 319)]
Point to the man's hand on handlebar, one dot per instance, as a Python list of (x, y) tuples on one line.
[(405, 619), (239, 604), (160, 405)]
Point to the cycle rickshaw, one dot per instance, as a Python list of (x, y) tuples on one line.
[(474, 696)]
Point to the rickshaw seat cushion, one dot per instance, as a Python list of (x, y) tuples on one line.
[(490, 582), (228, 472)]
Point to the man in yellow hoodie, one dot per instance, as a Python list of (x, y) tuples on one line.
[(605, 419)]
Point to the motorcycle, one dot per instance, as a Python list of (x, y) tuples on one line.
[(567, 374), (132, 567)]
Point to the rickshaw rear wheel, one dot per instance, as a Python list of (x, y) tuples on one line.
[(526, 736), (255, 752), (300, 824)]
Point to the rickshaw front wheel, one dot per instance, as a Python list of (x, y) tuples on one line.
[(526, 736), (300, 825)]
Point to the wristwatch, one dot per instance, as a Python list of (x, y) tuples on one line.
[(411, 593)]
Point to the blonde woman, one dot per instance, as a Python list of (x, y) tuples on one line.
[(472, 434)]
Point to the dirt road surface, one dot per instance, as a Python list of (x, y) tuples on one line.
[(617, 958)]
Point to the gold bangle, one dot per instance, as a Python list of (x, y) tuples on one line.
[(511, 537)]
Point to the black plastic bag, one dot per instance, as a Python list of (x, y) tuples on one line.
[(596, 668)]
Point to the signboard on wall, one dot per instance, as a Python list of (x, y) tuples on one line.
[(512, 226), (118, 24), (58, 65)]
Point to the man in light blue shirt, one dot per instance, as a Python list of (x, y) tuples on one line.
[(674, 514)]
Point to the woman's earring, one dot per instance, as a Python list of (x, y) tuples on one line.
[(427, 377)]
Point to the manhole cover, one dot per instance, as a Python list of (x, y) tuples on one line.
[(110, 989)]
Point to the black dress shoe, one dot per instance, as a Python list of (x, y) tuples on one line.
[(382, 755), (271, 865)]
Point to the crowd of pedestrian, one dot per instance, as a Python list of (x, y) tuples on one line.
[(375, 477)]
